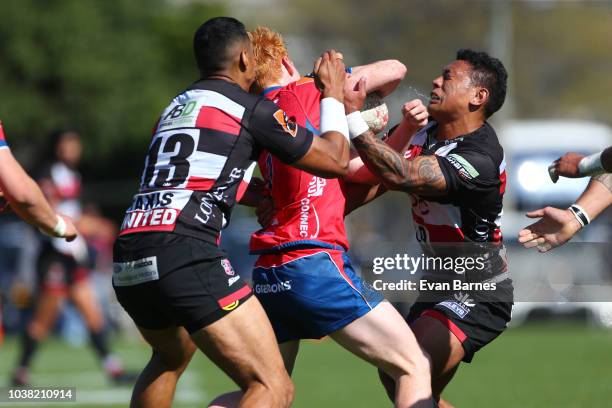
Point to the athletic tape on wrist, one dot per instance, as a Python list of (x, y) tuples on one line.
[(332, 117), (580, 214), (591, 165), (59, 230), (356, 124), (60, 227)]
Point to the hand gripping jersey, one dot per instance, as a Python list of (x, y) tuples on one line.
[(470, 212), (3, 144), (310, 209), (202, 156)]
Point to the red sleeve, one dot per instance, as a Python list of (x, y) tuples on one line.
[(3, 144), (301, 99)]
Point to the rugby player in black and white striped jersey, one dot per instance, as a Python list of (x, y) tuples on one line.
[(454, 172)]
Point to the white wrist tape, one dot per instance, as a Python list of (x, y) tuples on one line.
[(356, 124), (332, 117), (591, 165), (60, 227), (59, 230)]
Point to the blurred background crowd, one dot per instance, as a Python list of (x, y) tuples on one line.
[(103, 70)]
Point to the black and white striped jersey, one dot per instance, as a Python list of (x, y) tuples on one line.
[(202, 156), (468, 216)]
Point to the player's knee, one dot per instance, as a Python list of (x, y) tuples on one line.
[(38, 331), (288, 392), (422, 364), (415, 364), (175, 359), (282, 391)]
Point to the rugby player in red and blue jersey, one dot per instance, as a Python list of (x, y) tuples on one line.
[(303, 277)]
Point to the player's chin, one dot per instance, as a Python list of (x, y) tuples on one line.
[(434, 111)]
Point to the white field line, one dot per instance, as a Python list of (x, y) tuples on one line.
[(190, 390)]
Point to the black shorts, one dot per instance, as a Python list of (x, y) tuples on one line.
[(475, 318), (164, 280), (57, 272)]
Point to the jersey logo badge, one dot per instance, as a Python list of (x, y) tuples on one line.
[(288, 124), (464, 168), (227, 267), (231, 306)]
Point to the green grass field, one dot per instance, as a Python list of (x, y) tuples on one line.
[(544, 365)]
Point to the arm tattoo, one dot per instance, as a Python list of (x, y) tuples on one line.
[(420, 176), (605, 179)]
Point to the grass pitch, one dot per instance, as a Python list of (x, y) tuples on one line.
[(538, 365)]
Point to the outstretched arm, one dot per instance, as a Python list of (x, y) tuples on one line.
[(415, 116), (574, 165), (27, 200), (556, 226), (421, 175)]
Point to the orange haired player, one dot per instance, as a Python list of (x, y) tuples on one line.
[(303, 277)]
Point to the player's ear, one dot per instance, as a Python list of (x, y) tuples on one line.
[(480, 97), (245, 61)]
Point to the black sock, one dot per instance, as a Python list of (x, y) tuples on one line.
[(99, 343), (28, 347)]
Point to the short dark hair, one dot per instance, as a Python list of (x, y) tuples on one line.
[(213, 39), (488, 72)]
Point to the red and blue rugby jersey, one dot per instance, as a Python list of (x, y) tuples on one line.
[(3, 144), (309, 209)]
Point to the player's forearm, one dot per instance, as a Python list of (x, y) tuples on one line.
[(335, 149), (420, 176), (28, 201), (399, 141), (592, 165), (328, 156), (597, 196), (24, 195), (383, 76), (358, 172), (400, 138)]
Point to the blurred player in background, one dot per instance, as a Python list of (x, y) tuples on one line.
[(556, 226), (170, 274), (303, 277), (63, 267), (19, 192), (454, 171)]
